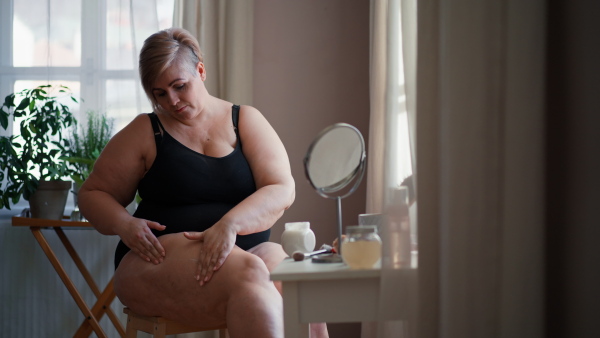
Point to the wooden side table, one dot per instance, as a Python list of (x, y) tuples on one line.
[(104, 298), (314, 292)]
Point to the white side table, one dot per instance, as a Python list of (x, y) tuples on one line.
[(327, 292)]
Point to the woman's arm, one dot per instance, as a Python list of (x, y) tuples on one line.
[(112, 185), (275, 193), (270, 166)]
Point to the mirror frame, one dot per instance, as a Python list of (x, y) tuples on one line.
[(357, 173)]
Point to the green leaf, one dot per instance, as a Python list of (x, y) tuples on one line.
[(9, 101), (4, 119), (23, 104)]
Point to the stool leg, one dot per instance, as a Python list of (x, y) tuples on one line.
[(223, 333), (130, 332), (160, 330)]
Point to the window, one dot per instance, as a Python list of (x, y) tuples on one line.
[(89, 46)]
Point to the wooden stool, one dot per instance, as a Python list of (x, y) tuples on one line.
[(160, 327)]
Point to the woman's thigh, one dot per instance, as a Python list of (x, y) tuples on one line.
[(170, 290)]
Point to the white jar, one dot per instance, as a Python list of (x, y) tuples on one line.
[(298, 236)]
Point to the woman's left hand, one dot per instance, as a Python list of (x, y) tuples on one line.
[(217, 243)]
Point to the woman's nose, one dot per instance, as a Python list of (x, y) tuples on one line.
[(173, 98)]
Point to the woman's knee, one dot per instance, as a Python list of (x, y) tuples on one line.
[(271, 254), (247, 268)]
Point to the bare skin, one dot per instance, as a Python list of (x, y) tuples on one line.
[(250, 306), (200, 278)]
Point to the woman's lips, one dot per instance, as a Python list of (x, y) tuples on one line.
[(180, 109)]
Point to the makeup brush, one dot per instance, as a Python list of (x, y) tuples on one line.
[(300, 256)]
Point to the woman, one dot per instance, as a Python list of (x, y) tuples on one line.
[(213, 178)]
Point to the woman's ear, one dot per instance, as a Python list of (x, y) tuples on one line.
[(201, 71)]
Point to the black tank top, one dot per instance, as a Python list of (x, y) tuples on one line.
[(189, 191)]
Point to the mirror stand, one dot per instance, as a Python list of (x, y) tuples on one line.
[(336, 157)]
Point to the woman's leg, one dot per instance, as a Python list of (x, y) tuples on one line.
[(239, 294), (272, 254)]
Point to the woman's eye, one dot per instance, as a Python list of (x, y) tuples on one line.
[(160, 94), (180, 87)]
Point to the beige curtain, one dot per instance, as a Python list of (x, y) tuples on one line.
[(225, 31), (478, 89), (391, 147), (480, 132)]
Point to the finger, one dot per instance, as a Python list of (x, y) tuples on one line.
[(150, 251), (200, 265), (208, 269), (141, 254), (203, 269), (157, 246), (220, 260), (155, 225), (196, 236), (206, 264), (156, 254)]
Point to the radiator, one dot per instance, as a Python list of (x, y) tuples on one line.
[(33, 300)]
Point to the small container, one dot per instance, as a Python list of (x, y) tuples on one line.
[(370, 219), (361, 249), (298, 236)]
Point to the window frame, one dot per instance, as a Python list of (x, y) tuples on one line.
[(92, 74)]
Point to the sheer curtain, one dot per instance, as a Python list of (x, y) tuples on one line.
[(225, 30), (391, 150), (392, 86)]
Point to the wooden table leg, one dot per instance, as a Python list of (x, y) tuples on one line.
[(104, 299), (292, 326), (37, 233), (98, 310)]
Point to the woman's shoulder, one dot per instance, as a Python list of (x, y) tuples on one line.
[(141, 121), (250, 114), (138, 127)]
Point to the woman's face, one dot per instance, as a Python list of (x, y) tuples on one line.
[(178, 92)]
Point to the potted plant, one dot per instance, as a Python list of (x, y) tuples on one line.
[(30, 164), (85, 145)]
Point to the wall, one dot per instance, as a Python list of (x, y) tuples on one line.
[(311, 69)]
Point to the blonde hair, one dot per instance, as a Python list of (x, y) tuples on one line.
[(163, 49)]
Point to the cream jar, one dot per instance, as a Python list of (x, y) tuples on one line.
[(361, 248), (298, 236)]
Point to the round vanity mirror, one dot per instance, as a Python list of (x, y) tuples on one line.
[(334, 165), (334, 159)]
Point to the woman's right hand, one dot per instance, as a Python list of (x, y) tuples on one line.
[(140, 239)]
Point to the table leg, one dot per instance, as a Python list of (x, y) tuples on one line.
[(292, 326), (37, 233), (101, 306), (104, 299)]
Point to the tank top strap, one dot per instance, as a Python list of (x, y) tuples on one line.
[(156, 126), (235, 116)]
